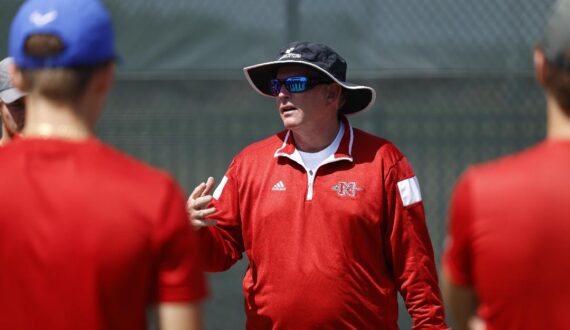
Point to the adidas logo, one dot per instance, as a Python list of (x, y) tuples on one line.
[(279, 186)]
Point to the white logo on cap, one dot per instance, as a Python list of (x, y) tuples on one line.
[(39, 19), (288, 54)]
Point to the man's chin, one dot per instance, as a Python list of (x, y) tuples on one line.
[(290, 124)]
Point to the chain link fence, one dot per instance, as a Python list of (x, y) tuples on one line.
[(454, 80)]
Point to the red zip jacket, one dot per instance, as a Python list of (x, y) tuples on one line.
[(329, 249)]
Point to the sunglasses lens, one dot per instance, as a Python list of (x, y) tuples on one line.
[(296, 84), (292, 84), (275, 87)]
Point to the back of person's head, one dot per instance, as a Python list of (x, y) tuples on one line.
[(60, 44), (556, 48)]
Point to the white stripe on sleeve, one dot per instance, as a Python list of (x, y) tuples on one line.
[(410, 191), (220, 188)]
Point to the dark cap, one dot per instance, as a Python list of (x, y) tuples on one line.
[(556, 41), (319, 57)]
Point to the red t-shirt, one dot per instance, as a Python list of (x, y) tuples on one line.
[(329, 250), (509, 238), (89, 238)]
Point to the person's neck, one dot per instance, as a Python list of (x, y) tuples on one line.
[(49, 119), (558, 123), (314, 138)]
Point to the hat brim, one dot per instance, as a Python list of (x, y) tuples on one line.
[(358, 98), (11, 95)]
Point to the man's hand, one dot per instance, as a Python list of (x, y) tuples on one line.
[(199, 199)]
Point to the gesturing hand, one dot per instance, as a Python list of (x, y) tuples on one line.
[(198, 200)]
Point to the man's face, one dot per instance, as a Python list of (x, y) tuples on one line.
[(305, 108), (14, 116)]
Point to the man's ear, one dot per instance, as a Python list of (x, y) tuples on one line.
[(8, 121), (540, 66), (16, 76), (333, 92), (107, 76)]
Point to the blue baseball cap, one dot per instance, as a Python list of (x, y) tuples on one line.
[(84, 27)]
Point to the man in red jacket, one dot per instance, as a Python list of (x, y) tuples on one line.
[(330, 217), (89, 237), (507, 256)]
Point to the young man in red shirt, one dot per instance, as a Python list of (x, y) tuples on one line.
[(507, 256), (12, 105), (89, 237), (330, 217)]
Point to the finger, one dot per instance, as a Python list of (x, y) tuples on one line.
[(201, 214), (203, 201), (209, 186), (198, 203), (196, 214), (197, 191), (197, 224), (209, 223)]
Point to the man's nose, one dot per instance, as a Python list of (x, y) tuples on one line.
[(283, 92)]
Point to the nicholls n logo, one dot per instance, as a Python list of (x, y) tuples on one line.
[(346, 189)]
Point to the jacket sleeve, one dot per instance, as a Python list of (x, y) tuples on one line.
[(223, 244), (409, 250)]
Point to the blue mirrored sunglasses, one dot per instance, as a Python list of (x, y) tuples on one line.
[(296, 84)]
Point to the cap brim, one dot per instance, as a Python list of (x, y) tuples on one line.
[(358, 98), (11, 95)]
